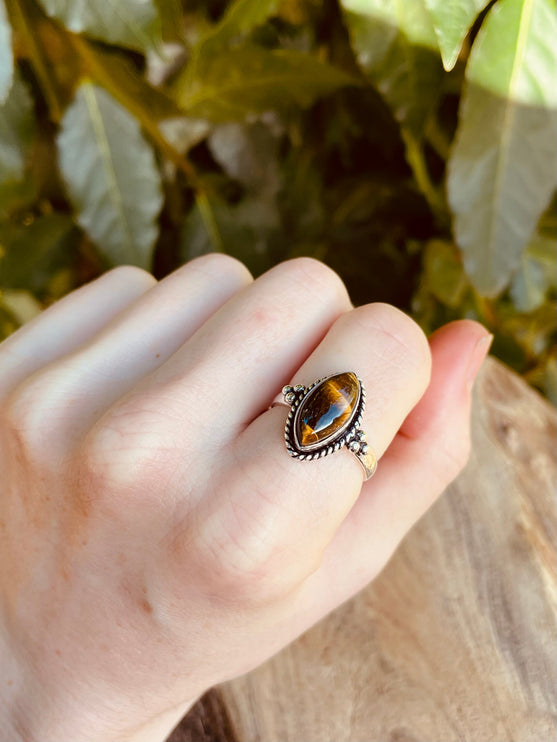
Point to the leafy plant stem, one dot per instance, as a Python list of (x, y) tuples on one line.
[(208, 217), (416, 160), (437, 138), (23, 24)]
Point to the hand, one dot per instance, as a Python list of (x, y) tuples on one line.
[(156, 537)]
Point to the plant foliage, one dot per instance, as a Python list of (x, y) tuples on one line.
[(410, 144)]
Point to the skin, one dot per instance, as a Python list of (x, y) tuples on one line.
[(156, 538)]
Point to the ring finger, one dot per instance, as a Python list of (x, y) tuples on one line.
[(291, 509)]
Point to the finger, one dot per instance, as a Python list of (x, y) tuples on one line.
[(284, 511), (136, 342), (227, 373), (69, 323), (430, 449)]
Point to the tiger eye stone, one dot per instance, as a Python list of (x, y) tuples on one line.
[(327, 409)]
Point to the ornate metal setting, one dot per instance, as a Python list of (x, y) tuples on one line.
[(348, 434)]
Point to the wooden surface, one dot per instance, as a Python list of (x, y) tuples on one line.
[(456, 640)]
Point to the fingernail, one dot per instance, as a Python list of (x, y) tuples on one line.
[(481, 349)]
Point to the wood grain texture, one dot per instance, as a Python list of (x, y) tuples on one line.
[(207, 721), (456, 639)]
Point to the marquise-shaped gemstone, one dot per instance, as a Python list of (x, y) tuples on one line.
[(327, 409)]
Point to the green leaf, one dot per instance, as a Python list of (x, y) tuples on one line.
[(182, 133), (17, 195), (249, 154), (170, 13), (149, 105), (21, 305), (240, 18), (302, 200), (537, 274), (534, 332), (443, 273), (17, 129), (251, 80), (6, 54), (31, 254), (111, 176), (8, 322), (396, 46), (452, 19), (158, 114), (250, 231), (27, 18), (501, 172), (114, 72), (528, 287), (514, 54), (130, 23)]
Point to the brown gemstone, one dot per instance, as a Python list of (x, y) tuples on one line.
[(327, 409)]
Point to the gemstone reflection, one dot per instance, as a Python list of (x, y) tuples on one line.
[(327, 409)]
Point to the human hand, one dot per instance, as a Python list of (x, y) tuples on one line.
[(156, 537)]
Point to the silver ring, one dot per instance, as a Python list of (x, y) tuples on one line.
[(325, 417)]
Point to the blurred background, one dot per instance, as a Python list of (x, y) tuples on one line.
[(410, 145)]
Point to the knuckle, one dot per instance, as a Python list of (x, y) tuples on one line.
[(14, 426), (261, 324), (315, 276), (28, 418), (132, 274), (238, 553), (237, 567), (398, 332), (232, 574), (222, 263), (124, 459)]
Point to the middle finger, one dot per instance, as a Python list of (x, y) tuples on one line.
[(226, 374), (273, 515)]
